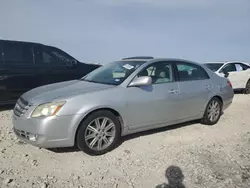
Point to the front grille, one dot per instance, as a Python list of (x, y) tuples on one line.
[(21, 107)]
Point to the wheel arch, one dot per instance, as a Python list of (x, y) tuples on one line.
[(247, 86), (213, 96), (219, 97), (204, 119), (115, 112), (247, 81)]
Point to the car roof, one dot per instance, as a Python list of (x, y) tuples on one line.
[(151, 60), (20, 41), (216, 62), (139, 58), (145, 60), (28, 42), (223, 62)]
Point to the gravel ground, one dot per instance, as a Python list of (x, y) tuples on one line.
[(190, 155)]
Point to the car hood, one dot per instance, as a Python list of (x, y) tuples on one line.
[(62, 90)]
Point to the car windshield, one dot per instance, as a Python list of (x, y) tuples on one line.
[(213, 66), (113, 73)]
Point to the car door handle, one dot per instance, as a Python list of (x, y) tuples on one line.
[(173, 91)]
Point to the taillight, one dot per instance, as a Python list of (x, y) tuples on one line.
[(229, 83)]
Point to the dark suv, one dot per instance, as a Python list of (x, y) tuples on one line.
[(26, 65)]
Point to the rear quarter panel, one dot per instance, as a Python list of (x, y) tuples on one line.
[(221, 88)]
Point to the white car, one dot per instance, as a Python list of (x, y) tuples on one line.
[(237, 72)]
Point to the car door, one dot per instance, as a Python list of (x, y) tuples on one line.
[(157, 103), (240, 76), (18, 71), (237, 74), (195, 89)]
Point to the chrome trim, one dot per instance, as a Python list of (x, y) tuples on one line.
[(21, 107)]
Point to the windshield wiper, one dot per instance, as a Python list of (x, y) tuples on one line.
[(90, 81), (99, 82)]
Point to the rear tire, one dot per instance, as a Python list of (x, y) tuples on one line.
[(213, 112), (247, 88), (96, 138)]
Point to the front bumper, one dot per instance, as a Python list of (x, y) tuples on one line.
[(49, 132)]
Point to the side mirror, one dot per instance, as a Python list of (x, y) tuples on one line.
[(74, 62), (141, 81), (226, 74)]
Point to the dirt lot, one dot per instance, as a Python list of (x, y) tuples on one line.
[(190, 155)]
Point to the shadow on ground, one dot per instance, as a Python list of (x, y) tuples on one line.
[(132, 136), (239, 92), (6, 107), (174, 177)]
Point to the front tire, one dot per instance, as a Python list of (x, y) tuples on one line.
[(98, 133), (213, 112), (247, 88)]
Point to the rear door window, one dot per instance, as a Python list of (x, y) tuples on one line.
[(189, 72), (17, 53), (238, 67), (241, 66)]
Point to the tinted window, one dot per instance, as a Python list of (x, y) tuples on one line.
[(42, 57), (51, 56), (230, 67), (1, 53), (161, 72), (17, 53), (213, 66), (240, 66), (188, 72)]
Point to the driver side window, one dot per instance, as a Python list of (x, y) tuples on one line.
[(228, 68), (46, 55), (160, 72)]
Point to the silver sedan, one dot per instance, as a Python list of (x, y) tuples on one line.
[(120, 98)]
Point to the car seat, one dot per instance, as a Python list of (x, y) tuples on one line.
[(161, 75)]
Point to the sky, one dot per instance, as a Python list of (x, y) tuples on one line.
[(101, 31)]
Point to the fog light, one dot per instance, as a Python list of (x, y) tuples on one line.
[(32, 137)]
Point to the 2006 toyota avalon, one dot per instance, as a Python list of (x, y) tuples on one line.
[(120, 98)]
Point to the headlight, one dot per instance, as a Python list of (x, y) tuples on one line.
[(48, 109)]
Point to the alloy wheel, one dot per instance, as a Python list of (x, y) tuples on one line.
[(213, 111), (247, 89), (100, 133)]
